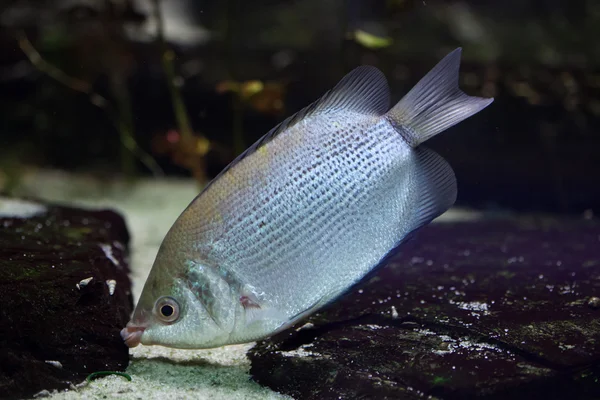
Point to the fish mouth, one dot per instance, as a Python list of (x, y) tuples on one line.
[(132, 335)]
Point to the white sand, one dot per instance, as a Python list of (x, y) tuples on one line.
[(19, 208), (150, 207)]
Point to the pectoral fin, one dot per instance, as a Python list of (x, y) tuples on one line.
[(257, 312)]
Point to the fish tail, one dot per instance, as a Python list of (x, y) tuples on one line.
[(435, 103)]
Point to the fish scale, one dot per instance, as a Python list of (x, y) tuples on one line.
[(332, 219), (304, 214)]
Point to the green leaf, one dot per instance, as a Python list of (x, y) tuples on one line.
[(371, 41)]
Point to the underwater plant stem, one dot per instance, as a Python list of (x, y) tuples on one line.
[(238, 124), (126, 136), (237, 104), (126, 127), (167, 58)]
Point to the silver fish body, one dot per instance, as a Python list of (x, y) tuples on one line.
[(304, 214)]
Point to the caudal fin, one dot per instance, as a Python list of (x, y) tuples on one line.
[(435, 103)]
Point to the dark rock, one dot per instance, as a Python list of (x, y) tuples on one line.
[(494, 310), (52, 333)]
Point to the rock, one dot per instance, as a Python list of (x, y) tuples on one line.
[(54, 328), (493, 309)]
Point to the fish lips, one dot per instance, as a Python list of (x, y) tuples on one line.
[(132, 335)]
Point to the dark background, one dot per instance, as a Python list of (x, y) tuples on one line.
[(536, 148)]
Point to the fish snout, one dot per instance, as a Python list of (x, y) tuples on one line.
[(132, 335)]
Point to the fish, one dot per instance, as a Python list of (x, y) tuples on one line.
[(304, 214)]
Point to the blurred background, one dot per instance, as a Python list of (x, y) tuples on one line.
[(141, 89)]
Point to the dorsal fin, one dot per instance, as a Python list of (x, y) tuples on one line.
[(363, 90)]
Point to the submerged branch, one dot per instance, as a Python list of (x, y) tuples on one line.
[(81, 86), (191, 149)]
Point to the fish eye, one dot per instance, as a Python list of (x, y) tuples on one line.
[(166, 309)]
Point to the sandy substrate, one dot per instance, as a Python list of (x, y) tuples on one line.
[(150, 207)]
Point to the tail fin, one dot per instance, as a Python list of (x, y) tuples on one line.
[(435, 103)]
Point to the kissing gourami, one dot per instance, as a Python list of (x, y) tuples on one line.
[(304, 214)]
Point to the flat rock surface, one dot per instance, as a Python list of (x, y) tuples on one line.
[(53, 333), (493, 309)]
